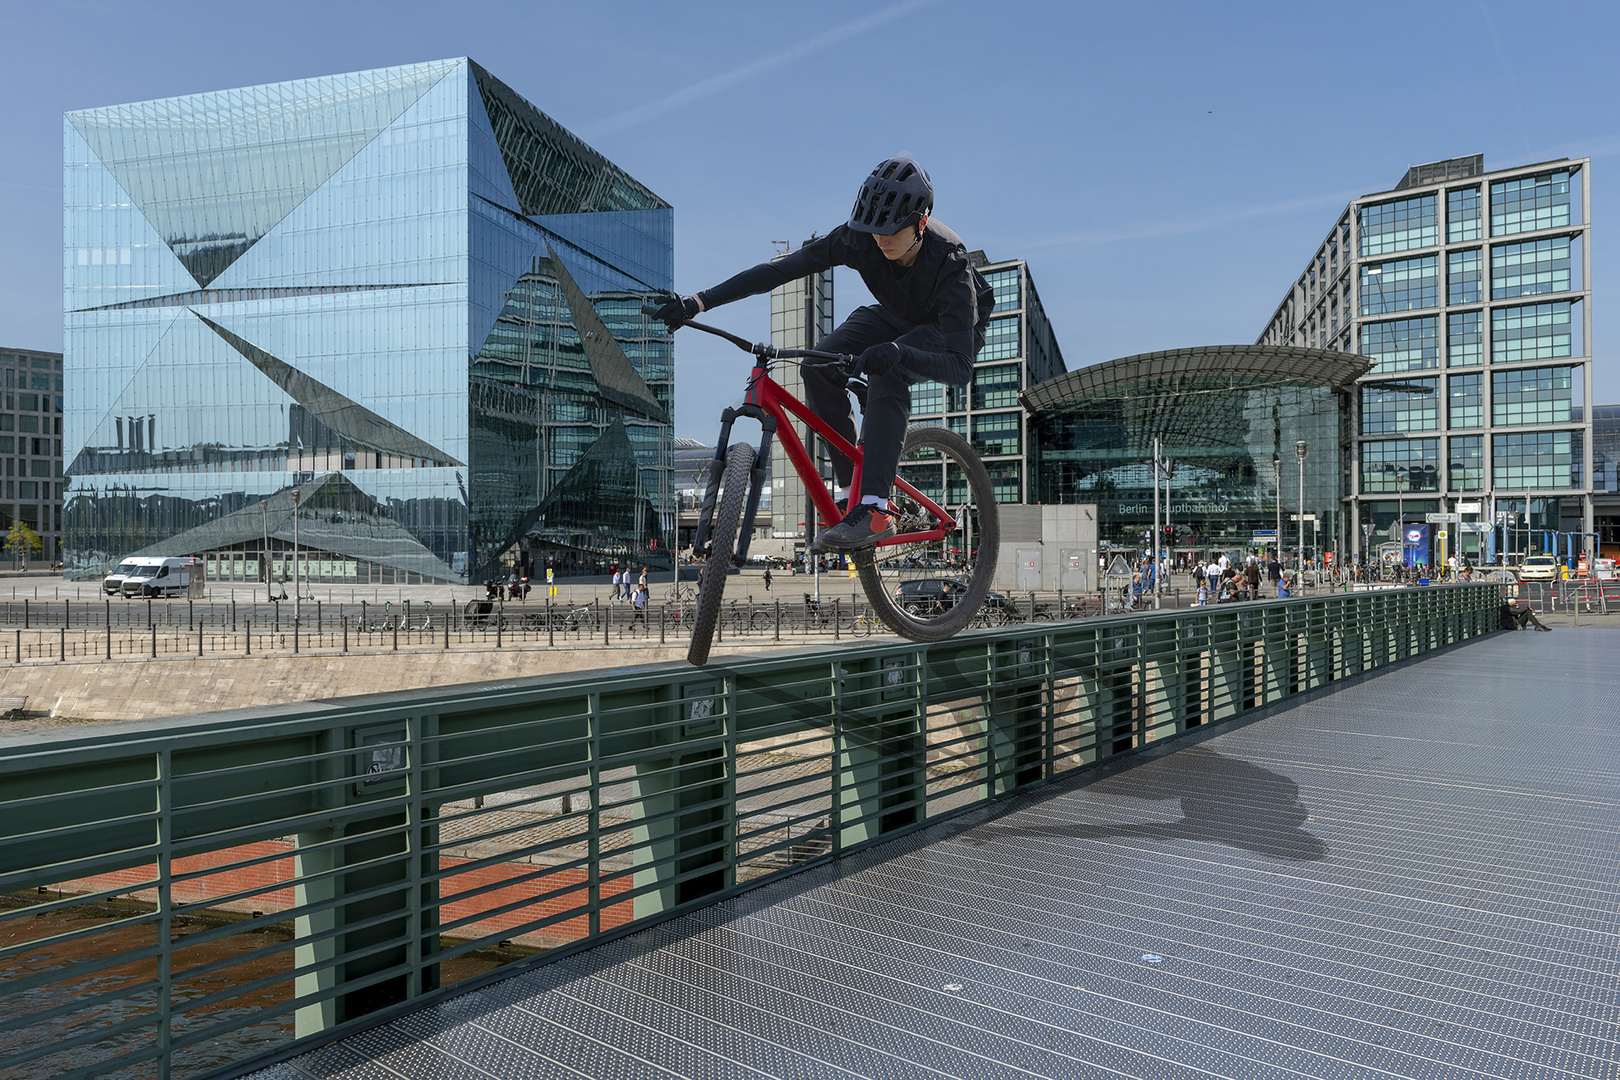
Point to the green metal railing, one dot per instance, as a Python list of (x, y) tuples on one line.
[(181, 896)]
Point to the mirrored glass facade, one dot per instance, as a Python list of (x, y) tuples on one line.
[(1225, 415), (405, 296)]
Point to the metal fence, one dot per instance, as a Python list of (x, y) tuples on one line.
[(181, 896), (87, 630)]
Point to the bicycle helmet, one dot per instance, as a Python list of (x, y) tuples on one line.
[(897, 194)]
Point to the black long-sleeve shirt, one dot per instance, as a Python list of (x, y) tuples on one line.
[(939, 287)]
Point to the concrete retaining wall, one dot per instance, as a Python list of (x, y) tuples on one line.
[(143, 689)]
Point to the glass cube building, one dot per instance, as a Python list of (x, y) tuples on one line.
[(1468, 289), (402, 306)]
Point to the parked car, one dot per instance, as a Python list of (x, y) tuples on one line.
[(1539, 568), (161, 577), (927, 594)]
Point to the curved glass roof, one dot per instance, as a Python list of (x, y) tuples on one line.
[(1242, 364)]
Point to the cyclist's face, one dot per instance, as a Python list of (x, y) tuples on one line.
[(902, 247)]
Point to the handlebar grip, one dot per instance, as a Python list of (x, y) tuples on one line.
[(649, 309)]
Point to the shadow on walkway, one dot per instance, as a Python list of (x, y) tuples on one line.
[(1224, 800)]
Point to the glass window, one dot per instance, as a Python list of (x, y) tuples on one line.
[(1399, 225), (1532, 332), (993, 388), (996, 433), (1402, 344), (1462, 215), (1400, 285), (1530, 268), (1532, 396), (1465, 338), (28, 402), (1532, 459), (1465, 469), (1002, 339), (1466, 407), (1527, 203), (1400, 465), (1463, 277), (1005, 284), (1400, 405), (927, 398), (1004, 481)]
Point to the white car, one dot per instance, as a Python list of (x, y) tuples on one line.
[(1539, 568)]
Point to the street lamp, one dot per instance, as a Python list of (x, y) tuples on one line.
[(1299, 451), (1276, 474), (297, 592)]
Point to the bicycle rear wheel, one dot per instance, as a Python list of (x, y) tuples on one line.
[(906, 582), (722, 545)]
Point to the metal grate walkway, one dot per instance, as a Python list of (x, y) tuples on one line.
[(1416, 876)]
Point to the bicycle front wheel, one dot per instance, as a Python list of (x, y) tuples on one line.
[(909, 598), (722, 545)]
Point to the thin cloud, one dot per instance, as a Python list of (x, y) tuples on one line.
[(1156, 230), (719, 83)]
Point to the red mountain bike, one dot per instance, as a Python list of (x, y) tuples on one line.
[(938, 469)]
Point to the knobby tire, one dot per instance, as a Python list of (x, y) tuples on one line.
[(962, 612), (722, 545)]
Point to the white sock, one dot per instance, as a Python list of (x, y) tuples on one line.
[(840, 493), (875, 500)]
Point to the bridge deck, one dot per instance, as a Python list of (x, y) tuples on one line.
[(1416, 876)]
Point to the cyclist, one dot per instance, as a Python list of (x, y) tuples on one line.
[(928, 324)]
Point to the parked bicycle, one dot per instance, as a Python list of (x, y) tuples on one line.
[(928, 456)]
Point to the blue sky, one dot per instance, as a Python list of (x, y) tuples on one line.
[(1166, 168)]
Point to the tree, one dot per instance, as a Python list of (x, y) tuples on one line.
[(20, 540)]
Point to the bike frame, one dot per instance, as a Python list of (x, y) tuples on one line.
[(769, 403)]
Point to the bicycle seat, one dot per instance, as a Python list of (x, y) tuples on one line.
[(857, 386)]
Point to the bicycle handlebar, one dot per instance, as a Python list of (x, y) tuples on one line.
[(759, 348)]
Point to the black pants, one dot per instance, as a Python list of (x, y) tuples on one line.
[(888, 398)]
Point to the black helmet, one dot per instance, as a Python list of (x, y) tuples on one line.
[(896, 194)]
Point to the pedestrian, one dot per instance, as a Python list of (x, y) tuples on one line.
[(639, 602), (1274, 569), (1203, 591), (1252, 572), (1282, 587), (643, 581), (767, 579)]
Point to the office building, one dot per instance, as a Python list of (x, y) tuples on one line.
[(399, 308), (31, 443), (1469, 291), (1019, 351), (1230, 420)]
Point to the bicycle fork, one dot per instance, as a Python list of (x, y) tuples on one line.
[(756, 481)]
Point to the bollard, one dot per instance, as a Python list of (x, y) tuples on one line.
[(396, 631), (551, 628), (25, 614), (149, 621), (109, 629), (67, 613), (63, 645), (837, 618), (19, 646), (199, 639), (662, 611), (447, 631), (295, 635), (154, 642), (345, 621), (778, 634), (317, 618), (500, 625), (233, 614), (607, 620), (248, 637), (190, 619)]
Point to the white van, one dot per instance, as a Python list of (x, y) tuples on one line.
[(160, 577), (113, 583)]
